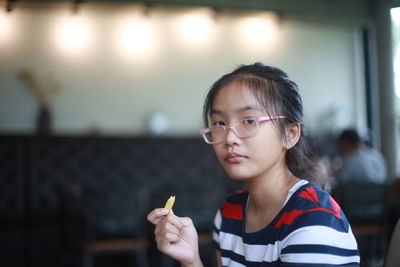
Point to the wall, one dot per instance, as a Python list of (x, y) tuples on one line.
[(105, 89)]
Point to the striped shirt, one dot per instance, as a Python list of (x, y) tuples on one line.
[(310, 230)]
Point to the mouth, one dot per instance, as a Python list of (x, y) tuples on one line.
[(234, 157)]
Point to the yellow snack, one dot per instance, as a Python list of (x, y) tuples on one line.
[(170, 202)]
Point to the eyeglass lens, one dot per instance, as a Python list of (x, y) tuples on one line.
[(242, 129)]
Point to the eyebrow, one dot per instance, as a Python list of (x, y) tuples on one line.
[(246, 108)]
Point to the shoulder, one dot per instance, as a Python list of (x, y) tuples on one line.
[(312, 206), (315, 221), (373, 153), (311, 195)]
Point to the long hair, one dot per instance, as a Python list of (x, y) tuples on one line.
[(279, 96)]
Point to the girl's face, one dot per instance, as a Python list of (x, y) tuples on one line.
[(257, 155)]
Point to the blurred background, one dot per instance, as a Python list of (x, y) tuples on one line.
[(100, 111)]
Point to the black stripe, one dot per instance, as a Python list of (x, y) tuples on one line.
[(286, 264), (233, 256), (322, 249), (216, 230), (241, 259)]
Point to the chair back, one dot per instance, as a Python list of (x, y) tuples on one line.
[(121, 213), (393, 255), (364, 203)]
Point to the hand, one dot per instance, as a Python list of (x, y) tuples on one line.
[(175, 236)]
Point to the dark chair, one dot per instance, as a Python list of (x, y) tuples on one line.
[(365, 207), (115, 223), (393, 256)]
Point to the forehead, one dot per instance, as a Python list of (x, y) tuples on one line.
[(234, 96)]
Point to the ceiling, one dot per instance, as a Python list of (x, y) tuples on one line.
[(357, 9)]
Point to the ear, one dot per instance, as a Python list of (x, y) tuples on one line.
[(293, 133)]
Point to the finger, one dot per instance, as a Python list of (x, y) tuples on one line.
[(156, 215), (167, 238), (164, 242), (186, 221), (171, 238), (165, 227), (174, 220), (171, 229)]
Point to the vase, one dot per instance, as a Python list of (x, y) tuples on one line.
[(43, 122)]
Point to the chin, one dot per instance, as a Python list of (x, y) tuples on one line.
[(236, 174)]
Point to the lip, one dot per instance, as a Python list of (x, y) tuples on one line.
[(234, 157)]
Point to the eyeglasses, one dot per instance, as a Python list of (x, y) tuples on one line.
[(242, 128)]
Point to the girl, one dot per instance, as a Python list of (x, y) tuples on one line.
[(254, 120)]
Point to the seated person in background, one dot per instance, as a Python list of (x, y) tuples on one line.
[(357, 163)]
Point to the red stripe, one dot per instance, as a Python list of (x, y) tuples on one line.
[(310, 194), (290, 216), (336, 207), (232, 211)]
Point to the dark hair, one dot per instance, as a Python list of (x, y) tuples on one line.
[(349, 136), (279, 96)]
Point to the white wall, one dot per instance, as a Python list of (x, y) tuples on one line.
[(114, 92)]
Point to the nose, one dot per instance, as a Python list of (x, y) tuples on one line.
[(231, 137)]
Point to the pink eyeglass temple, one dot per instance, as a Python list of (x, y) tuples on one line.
[(268, 118)]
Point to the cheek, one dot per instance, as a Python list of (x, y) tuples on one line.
[(266, 147), (218, 150)]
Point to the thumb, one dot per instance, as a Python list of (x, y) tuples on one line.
[(156, 215)]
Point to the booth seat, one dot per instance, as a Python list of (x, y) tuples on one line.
[(60, 195)]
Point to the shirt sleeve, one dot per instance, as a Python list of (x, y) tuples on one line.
[(317, 245)]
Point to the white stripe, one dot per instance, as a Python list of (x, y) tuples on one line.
[(320, 235), (231, 263), (215, 237), (256, 253), (231, 242), (218, 220), (260, 253), (318, 258), (217, 225)]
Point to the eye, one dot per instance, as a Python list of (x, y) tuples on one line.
[(249, 121), (218, 123)]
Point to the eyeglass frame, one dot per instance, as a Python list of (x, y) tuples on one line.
[(257, 119)]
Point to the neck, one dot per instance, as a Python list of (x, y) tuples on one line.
[(270, 190)]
